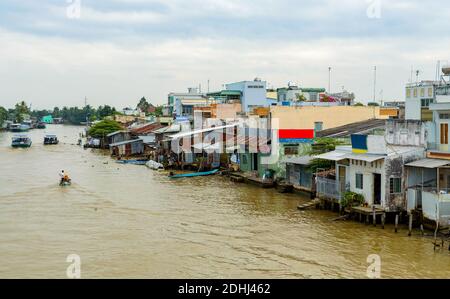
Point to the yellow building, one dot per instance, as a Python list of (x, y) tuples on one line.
[(322, 118)]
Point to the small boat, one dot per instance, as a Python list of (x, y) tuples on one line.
[(194, 174), (284, 187), (133, 162), (19, 127), (154, 165), (65, 183), (21, 141), (50, 139), (41, 125)]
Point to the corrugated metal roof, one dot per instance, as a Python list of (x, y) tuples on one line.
[(304, 160), (333, 156), (428, 163), (126, 142), (365, 157)]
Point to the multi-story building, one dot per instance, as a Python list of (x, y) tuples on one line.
[(419, 97), (181, 105)]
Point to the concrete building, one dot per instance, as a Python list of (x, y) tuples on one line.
[(253, 93), (419, 97), (318, 118), (182, 104), (374, 168)]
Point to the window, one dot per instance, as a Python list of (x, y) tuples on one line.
[(444, 116), (291, 150), (444, 133), (408, 93), (359, 181), (415, 92), (422, 92), (396, 185), (318, 126), (430, 92)]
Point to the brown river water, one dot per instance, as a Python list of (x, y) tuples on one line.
[(127, 221)]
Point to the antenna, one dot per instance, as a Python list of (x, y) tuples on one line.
[(417, 76)]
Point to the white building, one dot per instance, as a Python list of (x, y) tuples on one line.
[(253, 93), (419, 97)]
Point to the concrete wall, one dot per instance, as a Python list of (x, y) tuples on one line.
[(413, 110), (305, 117), (226, 111), (368, 181), (395, 168), (408, 132)]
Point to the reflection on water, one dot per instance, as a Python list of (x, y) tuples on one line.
[(129, 221)]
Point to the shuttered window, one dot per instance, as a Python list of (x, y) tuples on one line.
[(444, 133), (395, 185), (359, 181)]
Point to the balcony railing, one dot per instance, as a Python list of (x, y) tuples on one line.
[(328, 188)]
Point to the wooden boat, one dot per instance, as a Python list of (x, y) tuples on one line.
[(133, 162), (284, 187), (50, 140), (19, 127), (41, 125), (194, 174), (66, 183), (21, 141)]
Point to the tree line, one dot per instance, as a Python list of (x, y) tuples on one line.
[(71, 115)]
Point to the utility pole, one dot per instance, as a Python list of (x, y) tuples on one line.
[(375, 85), (329, 80)]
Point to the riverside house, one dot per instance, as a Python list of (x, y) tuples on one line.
[(374, 166)]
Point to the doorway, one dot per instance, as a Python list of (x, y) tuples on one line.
[(255, 162), (377, 189)]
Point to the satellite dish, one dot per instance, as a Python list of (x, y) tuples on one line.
[(446, 70)]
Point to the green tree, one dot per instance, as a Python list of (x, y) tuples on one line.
[(359, 105), (103, 128), (3, 115), (20, 111), (143, 105), (373, 104)]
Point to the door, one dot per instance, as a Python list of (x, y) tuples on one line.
[(342, 178), (377, 189), (255, 162), (444, 136)]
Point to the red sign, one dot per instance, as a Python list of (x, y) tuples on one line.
[(296, 134)]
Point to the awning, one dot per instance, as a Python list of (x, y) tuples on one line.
[(305, 160), (333, 156), (365, 157), (428, 163)]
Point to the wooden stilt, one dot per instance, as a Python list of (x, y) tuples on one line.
[(360, 217), (422, 230), (383, 220), (374, 217), (410, 224), (396, 223)]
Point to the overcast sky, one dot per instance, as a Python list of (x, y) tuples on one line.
[(116, 51)]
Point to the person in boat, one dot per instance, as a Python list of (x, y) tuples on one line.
[(64, 177)]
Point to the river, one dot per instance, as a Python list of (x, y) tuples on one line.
[(127, 221)]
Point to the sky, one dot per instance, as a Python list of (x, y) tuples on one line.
[(57, 52)]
